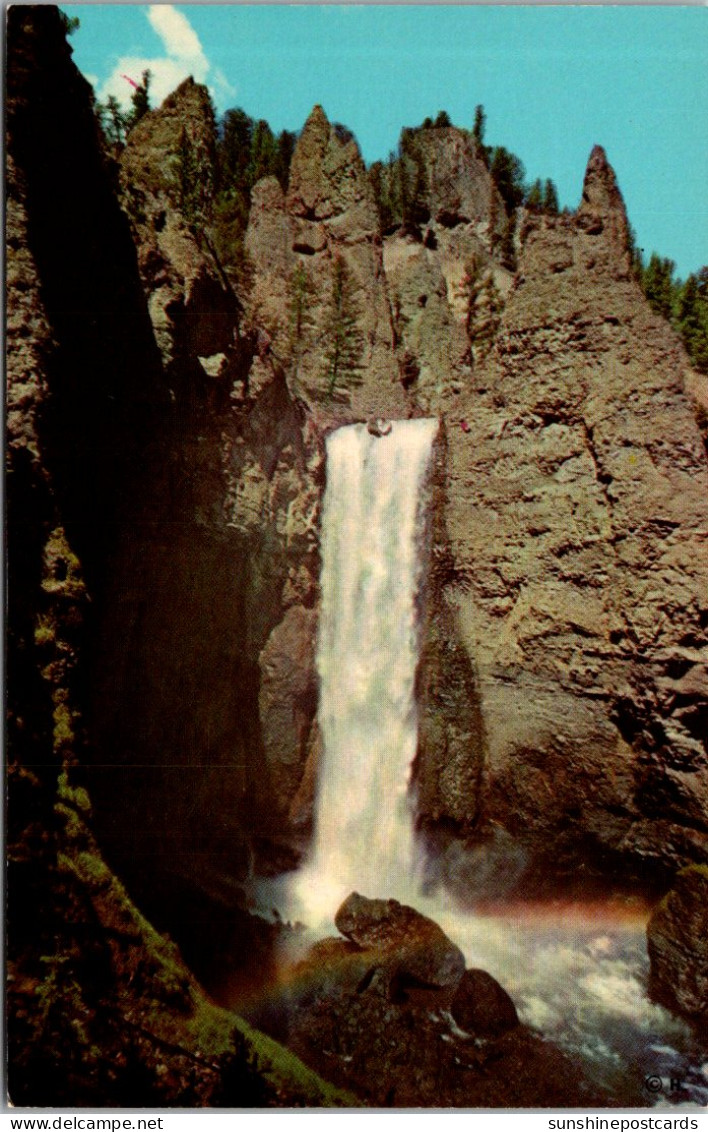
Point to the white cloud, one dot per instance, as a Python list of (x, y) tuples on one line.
[(184, 56), (179, 37)]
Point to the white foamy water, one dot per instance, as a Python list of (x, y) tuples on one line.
[(579, 977), (579, 981), (372, 535)]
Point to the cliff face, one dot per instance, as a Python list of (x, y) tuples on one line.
[(319, 289), (563, 675), (225, 533), (445, 281), (576, 516)]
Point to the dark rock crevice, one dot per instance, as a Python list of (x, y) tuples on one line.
[(104, 380)]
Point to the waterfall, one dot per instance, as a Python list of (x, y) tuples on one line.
[(372, 539)]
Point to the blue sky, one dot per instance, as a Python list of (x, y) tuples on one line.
[(554, 81)]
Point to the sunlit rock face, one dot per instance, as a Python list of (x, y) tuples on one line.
[(319, 288), (575, 511)]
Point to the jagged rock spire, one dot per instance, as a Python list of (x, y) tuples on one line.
[(602, 207), (328, 176)]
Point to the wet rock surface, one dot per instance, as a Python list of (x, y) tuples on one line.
[(677, 940), (481, 1005)]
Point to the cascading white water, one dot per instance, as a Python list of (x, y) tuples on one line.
[(372, 533)]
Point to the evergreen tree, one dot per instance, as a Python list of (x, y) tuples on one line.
[(534, 197), (379, 176), (684, 305), (443, 119), (550, 198), (409, 182), (284, 155), (340, 331), (195, 180), (140, 100), (659, 285), (508, 173), (300, 303), (234, 150), (342, 133), (635, 255), (113, 121), (692, 318), (507, 247), (70, 24), (246, 151), (480, 122), (264, 153)]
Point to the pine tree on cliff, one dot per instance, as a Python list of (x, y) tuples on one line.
[(70, 24), (113, 122), (508, 173), (478, 130), (692, 318), (378, 177), (409, 181), (196, 169), (340, 331), (550, 198), (534, 198), (658, 284), (234, 150), (284, 154), (300, 314), (507, 246), (140, 100), (264, 153)]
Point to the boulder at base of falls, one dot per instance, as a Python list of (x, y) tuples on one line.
[(677, 940), (365, 1013), (418, 949), (482, 1007)]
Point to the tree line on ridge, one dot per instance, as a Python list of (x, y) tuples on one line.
[(246, 149)]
